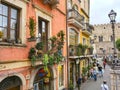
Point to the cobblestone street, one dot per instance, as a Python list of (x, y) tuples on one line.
[(96, 85)]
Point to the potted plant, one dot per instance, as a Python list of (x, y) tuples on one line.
[(32, 28), (84, 73), (71, 86), (1, 35), (39, 47)]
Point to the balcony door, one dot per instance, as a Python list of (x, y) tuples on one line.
[(43, 31)]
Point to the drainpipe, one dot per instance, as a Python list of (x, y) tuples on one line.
[(67, 47)]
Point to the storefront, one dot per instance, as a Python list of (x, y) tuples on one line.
[(43, 80)]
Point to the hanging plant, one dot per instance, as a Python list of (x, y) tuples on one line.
[(32, 55), (45, 61)]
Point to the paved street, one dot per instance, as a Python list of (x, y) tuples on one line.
[(95, 85)]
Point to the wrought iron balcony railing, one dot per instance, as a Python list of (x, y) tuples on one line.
[(74, 50), (87, 29), (78, 19)]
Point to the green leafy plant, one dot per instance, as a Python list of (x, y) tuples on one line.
[(52, 55), (32, 55), (71, 86), (118, 44), (81, 49), (39, 45), (32, 26), (84, 71)]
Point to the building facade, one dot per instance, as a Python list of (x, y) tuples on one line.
[(103, 42), (16, 69), (86, 32), (79, 32)]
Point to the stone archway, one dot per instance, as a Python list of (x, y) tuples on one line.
[(11, 83)]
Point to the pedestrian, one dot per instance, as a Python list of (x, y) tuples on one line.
[(104, 63), (94, 74), (104, 85), (97, 63), (79, 81), (100, 70), (91, 72)]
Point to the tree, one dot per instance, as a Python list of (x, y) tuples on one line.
[(118, 44)]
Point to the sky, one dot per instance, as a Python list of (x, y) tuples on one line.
[(99, 10)]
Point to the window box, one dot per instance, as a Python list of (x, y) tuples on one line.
[(31, 39)]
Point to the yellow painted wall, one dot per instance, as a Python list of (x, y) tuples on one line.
[(82, 34)]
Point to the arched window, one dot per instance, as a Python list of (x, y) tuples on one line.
[(73, 37)]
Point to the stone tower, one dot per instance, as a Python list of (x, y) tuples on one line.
[(103, 43)]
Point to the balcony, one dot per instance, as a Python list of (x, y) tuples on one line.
[(75, 18), (52, 3), (87, 29)]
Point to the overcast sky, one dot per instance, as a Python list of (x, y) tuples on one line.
[(99, 10)]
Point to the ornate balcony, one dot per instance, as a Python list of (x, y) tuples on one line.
[(75, 18), (87, 29), (53, 3)]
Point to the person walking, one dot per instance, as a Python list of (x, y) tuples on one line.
[(104, 85), (94, 74), (104, 63), (91, 72), (100, 70)]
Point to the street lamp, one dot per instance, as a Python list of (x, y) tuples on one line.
[(112, 16)]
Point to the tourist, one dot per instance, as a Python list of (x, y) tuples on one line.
[(104, 85)]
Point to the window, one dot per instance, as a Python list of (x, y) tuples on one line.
[(84, 41), (73, 37), (100, 38), (9, 22), (61, 75), (111, 38), (43, 31)]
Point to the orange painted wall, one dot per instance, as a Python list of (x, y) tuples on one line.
[(58, 23)]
